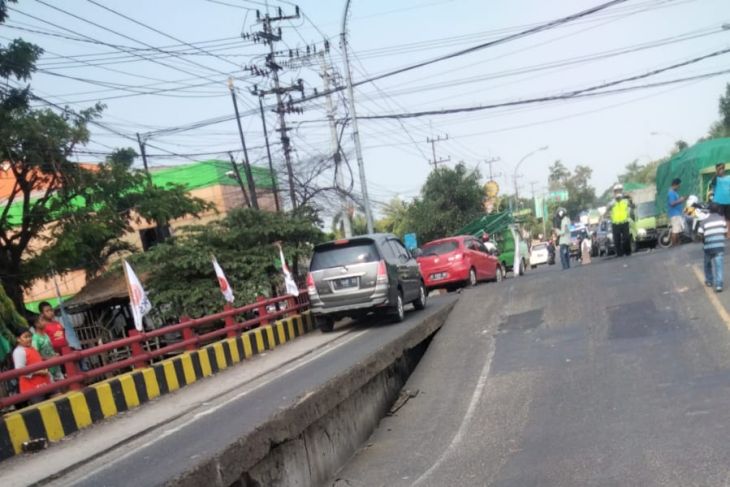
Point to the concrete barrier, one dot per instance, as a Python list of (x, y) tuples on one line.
[(307, 443), (63, 415)]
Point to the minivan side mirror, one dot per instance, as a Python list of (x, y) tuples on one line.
[(417, 252)]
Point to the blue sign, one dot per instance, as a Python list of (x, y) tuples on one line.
[(410, 241)]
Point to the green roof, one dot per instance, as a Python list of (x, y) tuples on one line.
[(192, 176)]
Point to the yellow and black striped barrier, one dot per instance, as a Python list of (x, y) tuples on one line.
[(63, 415)]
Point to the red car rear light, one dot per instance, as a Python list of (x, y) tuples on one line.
[(382, 273), (311, 288), (455, 258)]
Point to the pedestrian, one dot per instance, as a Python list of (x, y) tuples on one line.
[(620, 208), (585, 250), (719, 195), (25, 355), (53, 328), (564, 238), (551, 252), (713, 230), (675, 210), (42, 342)]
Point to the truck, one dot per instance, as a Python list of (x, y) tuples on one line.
[(645, 220), (506, 234)]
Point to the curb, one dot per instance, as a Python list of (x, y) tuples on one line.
[(61, 416)]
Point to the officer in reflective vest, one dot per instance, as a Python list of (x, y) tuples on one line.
[(620, 216)]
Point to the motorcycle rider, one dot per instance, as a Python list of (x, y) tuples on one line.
[(620, 210)]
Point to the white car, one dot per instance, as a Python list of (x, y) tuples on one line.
[(539, 255)]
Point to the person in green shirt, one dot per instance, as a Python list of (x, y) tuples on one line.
[(42, 342)]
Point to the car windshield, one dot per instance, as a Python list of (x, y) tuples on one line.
[(645, 210), (440, 248), (344, 255)]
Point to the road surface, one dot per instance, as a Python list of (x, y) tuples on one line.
[(612, 374)]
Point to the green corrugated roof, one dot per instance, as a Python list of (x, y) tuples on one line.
[(193, 176)]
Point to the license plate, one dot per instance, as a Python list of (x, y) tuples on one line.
[(438, 275), (346, 283)]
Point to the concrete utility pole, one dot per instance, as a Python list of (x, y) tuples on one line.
[(246, 162), (239, 180), (274, 187), (335, 147), (435, 162), (517, 167), (268, 37), (490, 163), (143, 153), (353, 118)]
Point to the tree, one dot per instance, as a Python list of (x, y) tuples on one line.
[(721, 128), (581, 195), (76, 213), (449, 199), (182, 281), (10, 320), (558, 175), (395, 218)]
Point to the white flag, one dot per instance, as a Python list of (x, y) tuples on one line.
[(291, 286), (138, 300), (223, 282)]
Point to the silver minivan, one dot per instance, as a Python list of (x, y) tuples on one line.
[(364, 274)]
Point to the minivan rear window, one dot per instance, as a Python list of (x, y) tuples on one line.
[(344, 255), (440, 248)]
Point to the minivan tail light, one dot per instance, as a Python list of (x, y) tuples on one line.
[(311, 288), (455, 257), (382, 273)]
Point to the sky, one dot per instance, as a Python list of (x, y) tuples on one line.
[(95, 54)]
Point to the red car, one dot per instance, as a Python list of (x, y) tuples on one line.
[(457, 261)]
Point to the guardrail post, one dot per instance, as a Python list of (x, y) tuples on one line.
[(263, 312), (72, 370), (137, 350), (230, 322), (291, 305), (188, 333)]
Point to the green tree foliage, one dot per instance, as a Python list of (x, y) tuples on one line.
[(77, 214), (557, 176), (449, 199), (581, 195), (395, 218), (182, 281), (10, 319), (721, 128)]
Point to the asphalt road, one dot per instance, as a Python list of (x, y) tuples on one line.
[(167, 451), (611, 374)]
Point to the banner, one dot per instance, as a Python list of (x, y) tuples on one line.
[(291, 286), (223, 282), (138, 300)]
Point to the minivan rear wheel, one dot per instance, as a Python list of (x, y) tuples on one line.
[(399, 312), (325, 324)]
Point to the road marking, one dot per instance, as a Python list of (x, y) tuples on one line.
[(712, 296), (169, 431)]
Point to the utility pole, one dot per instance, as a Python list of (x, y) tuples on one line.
[(246, 162), (268, 37), (143, 153), (490, 163), (435, 162), (335, 146), (353, 118), (237, 177), (274, 187)]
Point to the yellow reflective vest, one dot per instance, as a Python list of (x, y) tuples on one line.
[(620, 211)]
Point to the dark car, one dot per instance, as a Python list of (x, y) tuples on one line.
[(357, 276), (604, 238)]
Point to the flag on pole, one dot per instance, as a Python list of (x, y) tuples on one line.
[(223, 282), (68, 327), (291, 286), (138, 300)]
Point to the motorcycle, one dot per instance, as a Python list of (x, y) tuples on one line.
[(694, 213)]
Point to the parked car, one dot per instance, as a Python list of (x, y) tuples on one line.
[(604, 237), (357, 276), (539, 254), (458, 261)]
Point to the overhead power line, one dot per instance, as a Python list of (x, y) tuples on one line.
[(563, 96)]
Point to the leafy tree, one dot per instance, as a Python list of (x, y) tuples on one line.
[(581, 195), (721, 128), (395, 218), (182, 281), (558, 175), (10, 320), (449, 199), (77, 214)]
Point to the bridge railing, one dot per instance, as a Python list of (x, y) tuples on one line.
[(141, 355)]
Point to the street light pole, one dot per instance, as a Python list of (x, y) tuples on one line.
[(353, 119), (517, 167)]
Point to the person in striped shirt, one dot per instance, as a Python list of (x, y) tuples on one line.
[(713, 230)]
